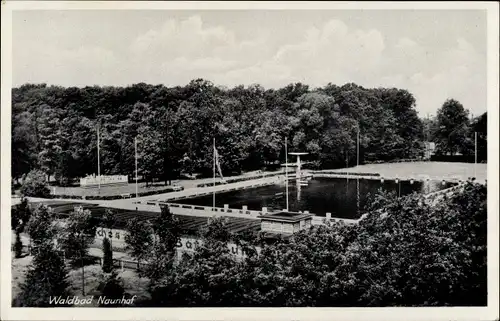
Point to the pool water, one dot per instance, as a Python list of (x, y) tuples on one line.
[(345, 198)]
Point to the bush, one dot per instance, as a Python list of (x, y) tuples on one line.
[(18, 246), (112, 289), (35, 185), (107, 264)]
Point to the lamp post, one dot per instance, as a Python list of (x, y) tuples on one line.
[(357, 148), (399, 187), (98, 161), (81, 235)]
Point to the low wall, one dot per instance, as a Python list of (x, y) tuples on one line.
[(195, 210), (93, 181)]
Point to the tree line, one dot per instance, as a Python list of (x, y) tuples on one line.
[(54, 129), (410, 253)]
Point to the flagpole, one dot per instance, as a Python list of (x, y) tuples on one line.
[(214, 177), (98, 161), (136, 187), (357, 149), (286, 172)]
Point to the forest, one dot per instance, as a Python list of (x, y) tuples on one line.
[(54, 129)]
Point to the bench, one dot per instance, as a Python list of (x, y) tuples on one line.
[(127, 195)]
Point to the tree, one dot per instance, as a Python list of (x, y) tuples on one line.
[(46, 279), (35, 185), (107, 264), (77, 234), (18, 246), (20, 216), (139, 240), (452, 132), (216, 230), (23, 142), (41, 227), (166, 229)]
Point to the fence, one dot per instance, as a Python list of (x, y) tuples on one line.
[(198, 193), (92, 181)]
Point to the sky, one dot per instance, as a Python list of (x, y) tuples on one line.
[(434, 54)]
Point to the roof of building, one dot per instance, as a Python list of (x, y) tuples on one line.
[(285, 216)]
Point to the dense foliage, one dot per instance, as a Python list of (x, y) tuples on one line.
[(409, 254), (154, 242), (54, 128), (45, 279), (41, 227), (112, 288), (77, 234)]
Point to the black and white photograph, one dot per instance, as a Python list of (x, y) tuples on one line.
[(211, 160)]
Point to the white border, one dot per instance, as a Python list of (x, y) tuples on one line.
[(488, 313)]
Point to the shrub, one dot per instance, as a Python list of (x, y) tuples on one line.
[(107, 264), (112, 289), (18, 246), (35, 185)]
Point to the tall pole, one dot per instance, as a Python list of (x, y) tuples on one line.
[(475, 153), (136, 186), (357, 148), (214, 177), (286, 173), (83, 266), (98, 161)]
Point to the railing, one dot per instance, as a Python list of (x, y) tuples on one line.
[(103, 180), (241, 179), (197, 193), (183, 209)]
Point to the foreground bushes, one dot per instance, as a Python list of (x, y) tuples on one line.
[(411, 255)]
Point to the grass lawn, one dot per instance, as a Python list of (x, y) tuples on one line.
[(106, 190), (436, 170)]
